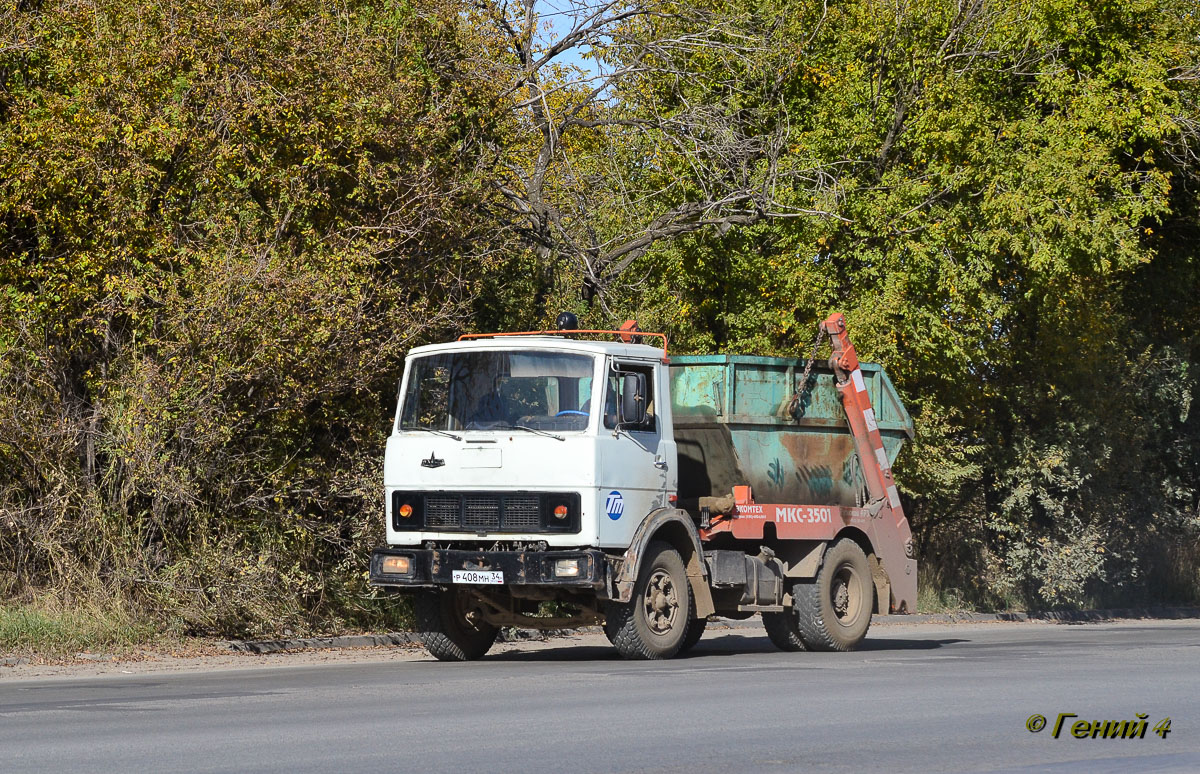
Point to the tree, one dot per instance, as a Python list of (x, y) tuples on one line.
[(1001, 177), (222, 228), (667, 123)]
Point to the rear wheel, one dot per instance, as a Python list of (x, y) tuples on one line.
[(782, 630), (834, 611), (654, 623), (451, 627)]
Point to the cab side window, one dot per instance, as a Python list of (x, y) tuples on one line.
[(612, 398)]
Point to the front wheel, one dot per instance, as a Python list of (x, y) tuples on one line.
[(654, 623), (834, 611), (450, 627)]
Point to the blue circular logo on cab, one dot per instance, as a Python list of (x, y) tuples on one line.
[(614, 505)]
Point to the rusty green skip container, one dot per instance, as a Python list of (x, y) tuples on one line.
[(733, 427)]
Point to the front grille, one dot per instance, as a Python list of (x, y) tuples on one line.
[(481, 512), (442, 511), (522, 513), (490, 511)]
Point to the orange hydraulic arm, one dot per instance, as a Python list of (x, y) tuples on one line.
[(884, 501), (860, 415)]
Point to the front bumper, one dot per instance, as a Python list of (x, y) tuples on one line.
[(435, 567)]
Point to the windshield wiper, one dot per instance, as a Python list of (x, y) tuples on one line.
[(546, 433), (432, 430)]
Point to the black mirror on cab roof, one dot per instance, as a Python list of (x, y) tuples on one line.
[(633, 398)]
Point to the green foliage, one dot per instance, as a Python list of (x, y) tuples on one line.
[(1010, 199), (222, 227)]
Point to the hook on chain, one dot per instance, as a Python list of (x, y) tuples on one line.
[(796, 406)]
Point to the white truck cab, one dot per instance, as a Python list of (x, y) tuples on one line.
[(522, 440)]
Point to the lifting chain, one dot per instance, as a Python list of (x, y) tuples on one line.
[(794, 407)]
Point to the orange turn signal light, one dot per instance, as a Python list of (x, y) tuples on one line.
[(405, 510), (560, 512)]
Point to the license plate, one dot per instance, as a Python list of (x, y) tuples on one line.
[(490, 577)]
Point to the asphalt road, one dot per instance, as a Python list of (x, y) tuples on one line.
[(917, 698)]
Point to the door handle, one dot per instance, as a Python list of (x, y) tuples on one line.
[(660, 463)]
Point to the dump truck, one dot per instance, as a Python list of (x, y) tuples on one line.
[(567, 478)]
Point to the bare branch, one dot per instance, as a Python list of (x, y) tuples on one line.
[(604, 179)]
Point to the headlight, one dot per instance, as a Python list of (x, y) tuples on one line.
[(396, 565), (566, 568)]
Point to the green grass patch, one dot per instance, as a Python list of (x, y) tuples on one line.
[(54, 631), (935, 600)]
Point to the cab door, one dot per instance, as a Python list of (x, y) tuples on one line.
[(636, 462)]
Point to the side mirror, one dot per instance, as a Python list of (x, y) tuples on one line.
[(633, 399)]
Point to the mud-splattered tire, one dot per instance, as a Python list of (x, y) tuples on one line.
[(654, 623), (833, 612), (783, 631), (446, 631)]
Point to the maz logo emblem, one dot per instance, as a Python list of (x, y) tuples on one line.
[(432, 462)]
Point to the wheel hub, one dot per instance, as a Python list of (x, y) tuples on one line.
[(841, 600), (660, 603), (469, 610), (845, 596)]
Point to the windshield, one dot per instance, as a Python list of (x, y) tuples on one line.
[(497, 390)]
